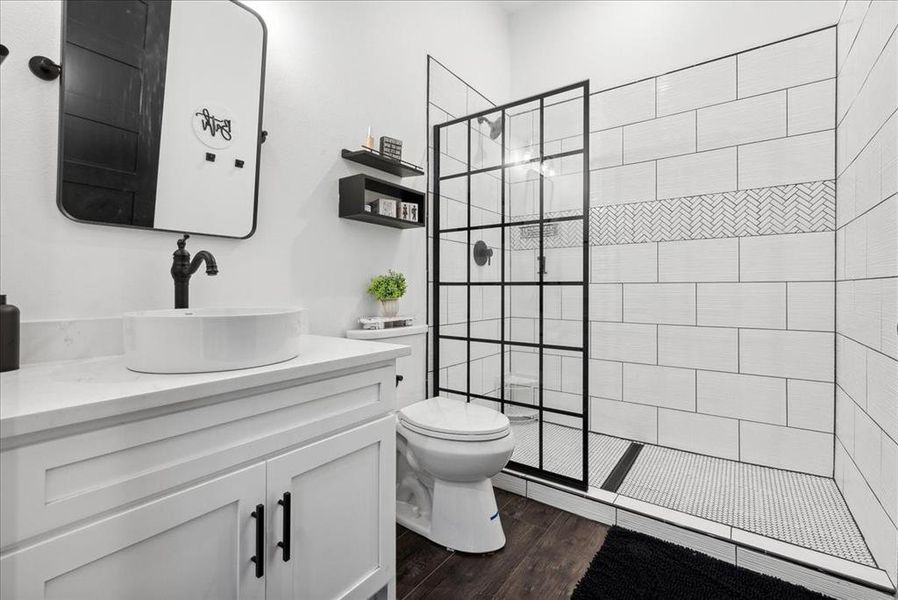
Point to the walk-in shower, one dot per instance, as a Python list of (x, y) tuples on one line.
[(707, 278), (511, 272)]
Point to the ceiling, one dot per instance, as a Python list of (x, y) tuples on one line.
[(513, 6)]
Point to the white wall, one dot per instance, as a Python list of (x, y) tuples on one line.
[(867, 274), (611, 43), (333, 69)]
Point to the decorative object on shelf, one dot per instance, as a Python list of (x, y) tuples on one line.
[(387, 207), (377, 323), (369, 140), (391, 148), (388, 288), (358, 191), (9, 336), (44, 68), (372, 158), (483, 254), (408, 211)]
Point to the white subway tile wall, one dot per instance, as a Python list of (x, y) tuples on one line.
[(743, 121), (712, 256), (742, 305), (625, 104), (866, 373), (699, 260), (716, 241), (657, 138), (786, 447), (791, 63), (696, 174), (742, 396), (696, 432), (809, 405), (619, 185), (659, 386), (697, 86), (812, 107), (796, 159)]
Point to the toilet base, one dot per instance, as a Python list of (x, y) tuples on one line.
[(463, 517)]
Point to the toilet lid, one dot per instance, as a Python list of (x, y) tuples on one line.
[(442, 417)]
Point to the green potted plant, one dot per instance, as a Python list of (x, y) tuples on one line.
[(388, 288)]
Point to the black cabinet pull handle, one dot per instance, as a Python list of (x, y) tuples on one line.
[(285, 544), (259, 558)]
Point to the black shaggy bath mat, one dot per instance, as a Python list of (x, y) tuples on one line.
[(633, 566)]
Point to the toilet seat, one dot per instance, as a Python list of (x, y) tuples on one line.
[(447, 419)]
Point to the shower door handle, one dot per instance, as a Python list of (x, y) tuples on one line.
[(542, 265)]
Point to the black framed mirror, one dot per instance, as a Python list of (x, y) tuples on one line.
[(161, 115)]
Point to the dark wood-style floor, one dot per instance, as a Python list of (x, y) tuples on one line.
[(545, 555)]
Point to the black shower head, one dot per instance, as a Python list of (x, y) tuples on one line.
[(495, 126)]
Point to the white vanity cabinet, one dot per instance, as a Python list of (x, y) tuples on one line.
[(196, 543), (342, 525), (205, 498)]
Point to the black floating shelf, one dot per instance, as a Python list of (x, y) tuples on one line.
[(373, 158), (357, 191)]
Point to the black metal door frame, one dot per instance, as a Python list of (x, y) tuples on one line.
[(539, 471)]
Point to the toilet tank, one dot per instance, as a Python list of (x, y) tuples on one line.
[(412, 368)]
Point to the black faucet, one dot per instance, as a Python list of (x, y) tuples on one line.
[(182, 268)]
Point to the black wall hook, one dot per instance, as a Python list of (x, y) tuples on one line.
[(44, 68), (4, 52)]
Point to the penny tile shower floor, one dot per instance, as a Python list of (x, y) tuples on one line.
[(798, 508)]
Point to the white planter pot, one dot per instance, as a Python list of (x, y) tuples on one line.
[(389, 308)]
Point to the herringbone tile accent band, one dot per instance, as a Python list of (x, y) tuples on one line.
[(799, 208)]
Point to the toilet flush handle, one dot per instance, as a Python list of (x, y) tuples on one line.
[(398, 379)]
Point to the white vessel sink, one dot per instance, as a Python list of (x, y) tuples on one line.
[(201, 340)]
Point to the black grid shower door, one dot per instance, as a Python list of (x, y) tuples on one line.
[(511, 273)]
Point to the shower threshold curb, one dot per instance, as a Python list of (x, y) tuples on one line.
[(818, 571)]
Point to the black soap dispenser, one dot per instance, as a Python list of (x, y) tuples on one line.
[(9, 336)]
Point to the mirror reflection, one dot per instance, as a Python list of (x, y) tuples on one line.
[(161, 115)]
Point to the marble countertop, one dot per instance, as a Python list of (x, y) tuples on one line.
[(56, 394)]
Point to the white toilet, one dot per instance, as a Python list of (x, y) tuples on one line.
[(446, 452)]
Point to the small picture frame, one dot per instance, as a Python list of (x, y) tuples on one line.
[(386, 207), (408, 211), (391, 148)]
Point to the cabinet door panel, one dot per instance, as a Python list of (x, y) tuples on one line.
[(342, 516), (196, 543)]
